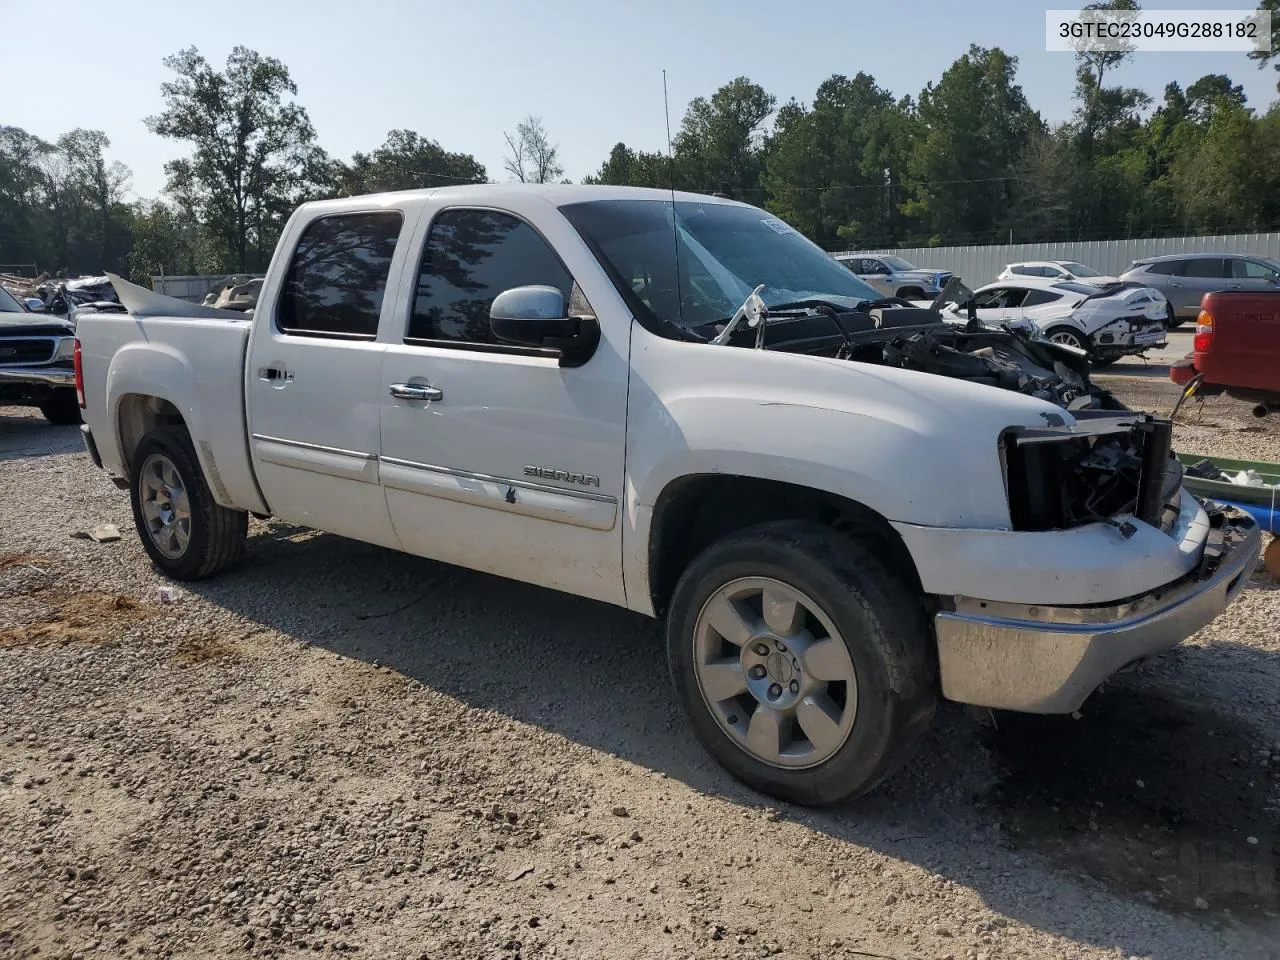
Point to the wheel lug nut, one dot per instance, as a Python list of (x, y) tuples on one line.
[(782, 647), (762, 649), (775, 691), (758, 672), (795, 686)]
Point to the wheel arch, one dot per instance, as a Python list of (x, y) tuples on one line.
[(136, 415), (695, 510)]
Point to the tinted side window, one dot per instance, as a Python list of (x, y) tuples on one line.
[(1250, 270), (338, 275), (1164, 268), (470, 257), (1024, 271), (1203, 267), (1038, 298)]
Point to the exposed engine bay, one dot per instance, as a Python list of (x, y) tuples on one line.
[(1110, 466), (913, 338)]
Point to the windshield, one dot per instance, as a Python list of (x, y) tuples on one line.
[(1079, 269), (897, 263), (8, 303), (725, 251)]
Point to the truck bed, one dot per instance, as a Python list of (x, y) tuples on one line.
[(197, 365)]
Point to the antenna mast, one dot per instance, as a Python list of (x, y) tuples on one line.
[(671, 182)]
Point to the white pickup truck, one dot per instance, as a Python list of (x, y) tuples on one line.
[(845, 508)]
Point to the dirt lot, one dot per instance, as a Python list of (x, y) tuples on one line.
[(341, 749)]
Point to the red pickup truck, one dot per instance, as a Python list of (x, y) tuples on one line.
[(1237, 349)]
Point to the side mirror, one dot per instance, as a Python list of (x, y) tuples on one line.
[(35, 305), (535, 316)]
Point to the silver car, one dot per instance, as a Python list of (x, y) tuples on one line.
[(1184, 278), (894, 277)]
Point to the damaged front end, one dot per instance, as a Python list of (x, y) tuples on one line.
[(1103, 468)]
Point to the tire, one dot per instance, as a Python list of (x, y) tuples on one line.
[(1067, 336), (61, 408), (186, 540), (873, 723), (1171, 319)]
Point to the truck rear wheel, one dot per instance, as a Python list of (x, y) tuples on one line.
[(804, 665), (185, 532)]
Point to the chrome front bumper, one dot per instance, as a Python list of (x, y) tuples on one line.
[(1039, 659), (50, 376)]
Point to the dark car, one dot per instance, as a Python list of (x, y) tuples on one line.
[(37, 369), (1184, 278)]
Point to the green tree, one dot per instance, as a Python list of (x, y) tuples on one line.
[(975, 124), (1266, 56), (836, 171), (720, 145), (252, 148), (626, 167), (407, 160)]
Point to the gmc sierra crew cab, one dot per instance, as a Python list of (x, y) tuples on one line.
[(845, 507)]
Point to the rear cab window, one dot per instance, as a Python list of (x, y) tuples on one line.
[(337, 276)]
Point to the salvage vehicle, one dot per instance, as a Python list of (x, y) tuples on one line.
[(892, 276), (1056, 270), (1106, 323), (677, 404), (36, 354), (1236, 350)]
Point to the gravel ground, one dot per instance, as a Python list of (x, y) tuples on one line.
[(339, 749)]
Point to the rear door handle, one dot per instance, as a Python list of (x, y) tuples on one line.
[(275, 374), (416, 391)]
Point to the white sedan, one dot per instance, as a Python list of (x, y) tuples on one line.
[(1056, 270), (1106, 322)]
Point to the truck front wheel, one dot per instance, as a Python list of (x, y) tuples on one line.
[(805, 665), (185, 532)]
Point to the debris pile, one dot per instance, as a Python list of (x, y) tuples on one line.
[(239, 292)]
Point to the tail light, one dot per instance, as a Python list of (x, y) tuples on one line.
[(79, 376), (1204, 332)]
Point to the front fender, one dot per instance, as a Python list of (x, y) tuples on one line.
[(901, 443)]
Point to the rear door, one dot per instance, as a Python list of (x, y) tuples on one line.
[(508, 463), (314, 374), (1195, 277)]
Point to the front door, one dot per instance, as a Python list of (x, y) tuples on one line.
[(314, 373), (494, 456), (1251, 275)]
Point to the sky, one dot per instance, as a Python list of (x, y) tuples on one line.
[(464, 72)]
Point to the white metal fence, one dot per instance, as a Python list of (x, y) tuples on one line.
[(979, 265)]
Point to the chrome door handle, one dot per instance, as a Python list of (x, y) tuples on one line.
[(414, 391)]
